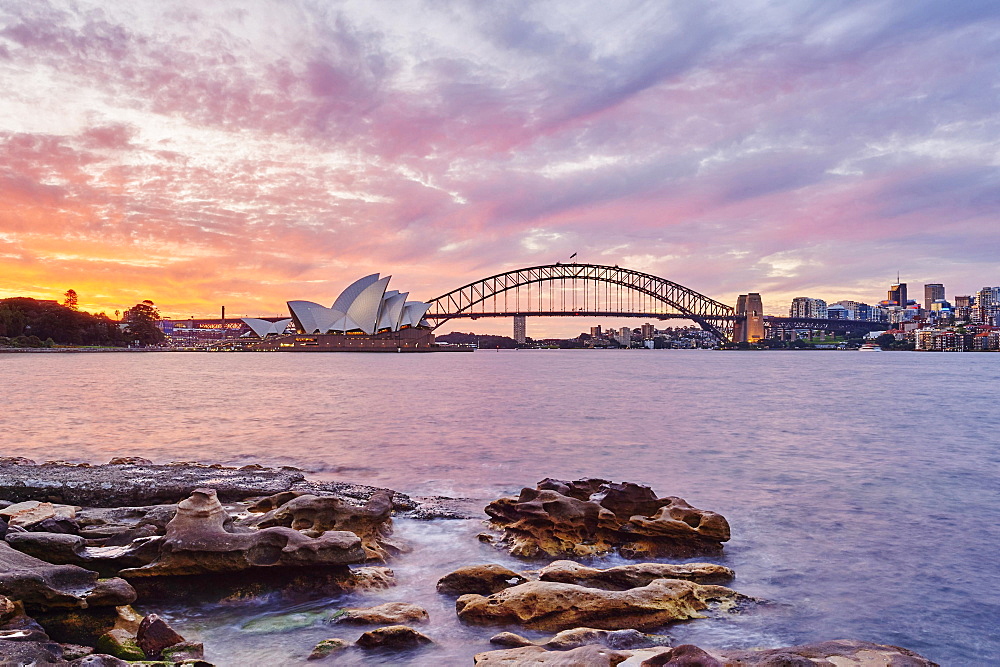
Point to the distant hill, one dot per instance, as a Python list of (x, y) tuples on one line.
[(486, 342), (28, 322)]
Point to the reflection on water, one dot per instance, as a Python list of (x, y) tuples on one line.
[(860, 488)]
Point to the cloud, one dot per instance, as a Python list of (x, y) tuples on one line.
[(197, 153)]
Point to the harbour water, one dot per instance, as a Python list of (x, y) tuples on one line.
[(861, 488)]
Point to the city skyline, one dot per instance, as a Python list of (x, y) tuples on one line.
[(207, 155)]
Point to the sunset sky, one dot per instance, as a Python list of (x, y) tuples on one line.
[(248, 153)]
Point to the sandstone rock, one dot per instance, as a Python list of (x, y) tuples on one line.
[(74, 651), (154, 635), (99, 660), (106, 486), (41, 585), (594, 517), (85, 626), (482, 579), (184, 651), (326, 648), (390, 613), (576, 637), (685, 655), (29, 652), (615, 639), (273, 502), (8, 609), (30, 513), (62, 549), (828, 654), (197, 542), (511, 639), (392, 636), (315, 515), (589, 656), (129, 461), (544, 605), (118, 526), (121, 644), (623, 577)]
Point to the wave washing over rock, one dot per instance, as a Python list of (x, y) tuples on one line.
[(85, 547)]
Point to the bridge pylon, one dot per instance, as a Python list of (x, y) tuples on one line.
[(749, 325)]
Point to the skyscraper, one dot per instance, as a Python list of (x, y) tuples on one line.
[(897, 293), (932, 292)]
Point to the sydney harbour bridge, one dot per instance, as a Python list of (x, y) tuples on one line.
[(594, 290)]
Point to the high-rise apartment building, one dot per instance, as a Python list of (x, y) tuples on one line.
[(520, 329), (987, 306), (932, 292), (624, 337), (596, 331), (648, 331), (897, 294), (803, 306)]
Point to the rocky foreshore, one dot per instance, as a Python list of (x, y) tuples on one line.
[(85, 547)]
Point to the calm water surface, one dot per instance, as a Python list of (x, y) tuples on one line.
[(861, 488)]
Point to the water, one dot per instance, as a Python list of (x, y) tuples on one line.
[(861, 488)]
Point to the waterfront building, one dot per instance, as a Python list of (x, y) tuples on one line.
[(806, 307), (987, 306), (647, 331), (595, 332), (624, 337), (932, 292)]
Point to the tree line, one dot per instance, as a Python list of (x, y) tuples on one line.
[(27, 322)]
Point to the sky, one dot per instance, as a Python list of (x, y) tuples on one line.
[(248, 153)]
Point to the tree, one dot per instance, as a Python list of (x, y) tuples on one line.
[(71, 301), (142, 319)]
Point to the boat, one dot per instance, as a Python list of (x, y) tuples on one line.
[(870, 346)]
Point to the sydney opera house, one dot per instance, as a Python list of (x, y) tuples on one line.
[(366, 317)]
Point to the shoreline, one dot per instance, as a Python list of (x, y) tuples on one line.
[(84, 542)]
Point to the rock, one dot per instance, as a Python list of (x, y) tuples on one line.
[(120, 525), (392, 636), (392, 613), (8, 610), (154, 635), (85, 626), (623, 577), (595, 517), (544, 605), (511, 639), (828, 654), (315, 515), (121, 644), (106, 486), (184, 651), (129, 461), (576, 637), (373, 578), (616, 639), (326, 648), (29, 653), (41, 585), (62, 549), (273, 502), (31, 513), (482, 579), (589, 656), (74, 651), (685, 655), (197, 542), (99, 660)]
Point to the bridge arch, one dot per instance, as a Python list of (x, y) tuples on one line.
[(663, 298)]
